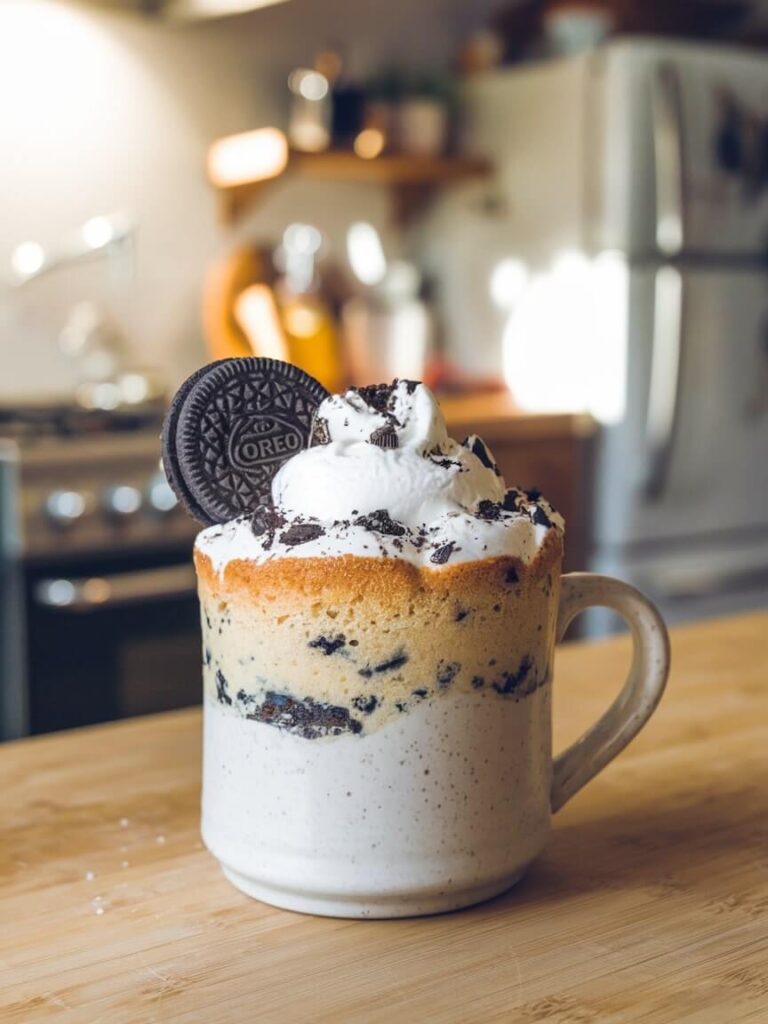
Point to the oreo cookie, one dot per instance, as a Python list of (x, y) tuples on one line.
[(230, 427)]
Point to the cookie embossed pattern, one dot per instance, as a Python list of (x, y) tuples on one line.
[(230, 428)]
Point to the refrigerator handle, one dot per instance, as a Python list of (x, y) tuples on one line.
[(667, 121), (664, 388)]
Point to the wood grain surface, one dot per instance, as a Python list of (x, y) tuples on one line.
[(649, 905)]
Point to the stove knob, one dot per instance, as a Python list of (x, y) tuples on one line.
[(64, 508), (160, 496), (123, 501)]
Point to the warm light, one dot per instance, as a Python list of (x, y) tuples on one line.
[(249, 156), (365, 253), (508, 279), (28, 259), (309, 132), (212, 8), (302, 321), (369, 143), (98, 232), (565, 343), (256, 312), (134, 388), (310, 85), (104, 395), (96, 590)]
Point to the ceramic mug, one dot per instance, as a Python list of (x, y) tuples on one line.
[(438, 808)]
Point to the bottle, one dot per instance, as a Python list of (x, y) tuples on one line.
[(306, 318)]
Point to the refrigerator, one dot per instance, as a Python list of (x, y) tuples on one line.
[(617, 264)]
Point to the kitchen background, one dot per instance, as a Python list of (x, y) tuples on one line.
[(555, 212)]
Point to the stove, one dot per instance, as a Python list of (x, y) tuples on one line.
[(98, 616)]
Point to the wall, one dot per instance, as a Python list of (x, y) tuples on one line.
[(102, 111)]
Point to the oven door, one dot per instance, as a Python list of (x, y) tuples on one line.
[(110, 642)]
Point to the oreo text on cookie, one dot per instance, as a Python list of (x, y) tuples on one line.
[(230, 428)]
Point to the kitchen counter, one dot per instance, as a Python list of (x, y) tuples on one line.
[(650, 903)]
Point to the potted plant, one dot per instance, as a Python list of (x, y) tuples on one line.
[(424, 115)]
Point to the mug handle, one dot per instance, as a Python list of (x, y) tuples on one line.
[(642, 691)]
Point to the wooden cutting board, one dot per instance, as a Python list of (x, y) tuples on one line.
[(650, 904)]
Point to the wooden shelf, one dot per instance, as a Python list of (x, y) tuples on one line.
[(412, 180)]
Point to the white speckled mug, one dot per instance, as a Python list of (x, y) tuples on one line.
[(434, 809)]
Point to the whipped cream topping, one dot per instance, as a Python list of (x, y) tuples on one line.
[(383, 479)]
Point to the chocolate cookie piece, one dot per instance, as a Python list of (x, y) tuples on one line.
[(329, 644), (265, 522), (367, 703), (380, 521), (230, 428), (517, 683), (301, 533), (320, 433), (307, 718), (397, 660), (446, 673), (384, 437), (441, 555), (479, 448)]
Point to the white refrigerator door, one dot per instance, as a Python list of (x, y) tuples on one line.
[(677, 150), (690, 457)]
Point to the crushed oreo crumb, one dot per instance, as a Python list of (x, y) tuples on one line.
[(329, 644), (401, 705), (222, 693), (301, 533), (378, 396), (384, 437), (397, 661), (366, 704), (207, 656), (539, 517), (489, 510), (421, 693), (307, 718), (461, 614), (439, 459), (533, 495), (511, 576), (320, 432), (511, 500), (515, 682), (479, 448), (446, 673), (478, 682), (265, 522), (381, 522), (443, 553)]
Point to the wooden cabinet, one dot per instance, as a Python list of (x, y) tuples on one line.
[(550, 452)]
